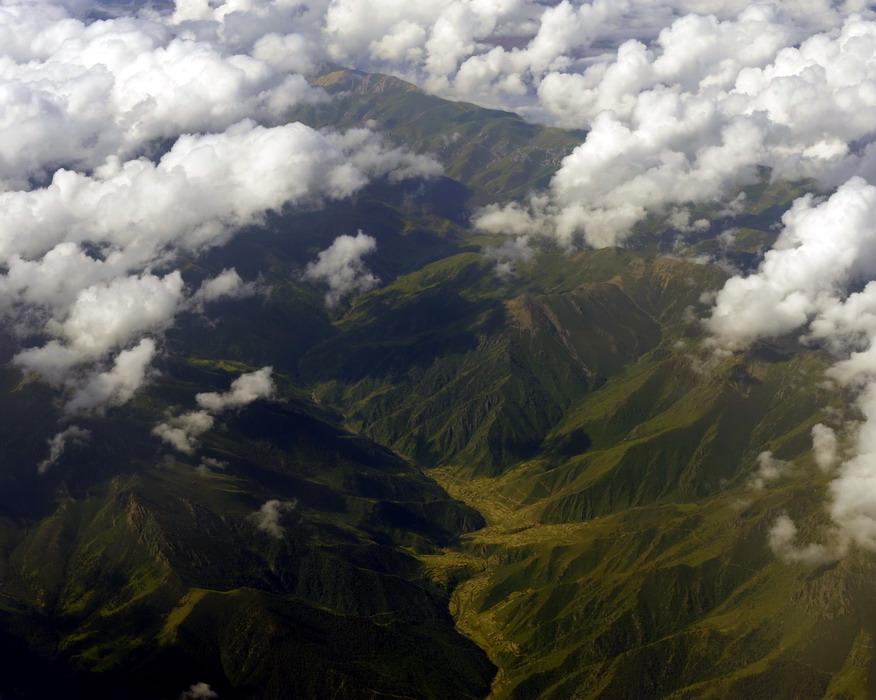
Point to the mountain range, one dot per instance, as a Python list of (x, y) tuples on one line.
[(468, 481)]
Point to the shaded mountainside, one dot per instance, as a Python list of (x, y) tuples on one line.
[(158, 577), (126, 571), (640, 567), (451, 365), (520, 487), (626, 552)]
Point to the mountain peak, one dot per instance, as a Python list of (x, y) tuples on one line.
[(359, 82)]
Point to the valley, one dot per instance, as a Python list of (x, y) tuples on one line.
[(536, 484)]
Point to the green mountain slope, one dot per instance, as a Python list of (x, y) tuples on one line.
[(160, 577), (518, 487), (451, 365), (626, 553), (640, 567), (496, 154)]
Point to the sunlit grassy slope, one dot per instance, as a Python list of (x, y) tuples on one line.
[(639, 568), (451, 364), (612, 456)]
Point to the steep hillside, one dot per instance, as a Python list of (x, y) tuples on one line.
[(634, 561), (616, 462), (150, 573), (496, 154), (466, 484), (453, 365)]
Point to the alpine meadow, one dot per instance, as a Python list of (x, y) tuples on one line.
[(507, 349)]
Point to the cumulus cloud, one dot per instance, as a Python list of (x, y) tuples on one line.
[(118, 384), (202, 190), (510, 53), (340, 266), (853, 491), (821, 249), (140, 213), (497, 53), (294, 53), (88, 91), (228, 284), (208, 464), (518, 219), (267, 518), (102, 318), (244, 390), (804, 285), (129, 141), (58, 443), (182, 432), (691, 117)]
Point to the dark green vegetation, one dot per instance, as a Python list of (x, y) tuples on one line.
[(537, 486), (129, 567)]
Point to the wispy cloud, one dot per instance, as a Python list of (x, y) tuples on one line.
[(58, 443)]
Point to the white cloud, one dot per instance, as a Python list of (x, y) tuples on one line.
[(141, 213), (200, 192), (208, 464), (510, 254), (102, 318), (681, 105), (822, 247), (804, 284), (56, 278), (126, 141), (516, 219), (691, 118), (58, 443), (447, 48), (781, 541), (340, 266), (87, 91), (199, 691), (769, 470), (226, 285), (853, 491), (295, 53), (117, 385), (182, 432), (244, 390), (824, 446), (99, 321), (267, 518), (683, 101)]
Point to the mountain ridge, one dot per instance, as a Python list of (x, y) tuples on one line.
[(544, 480)]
